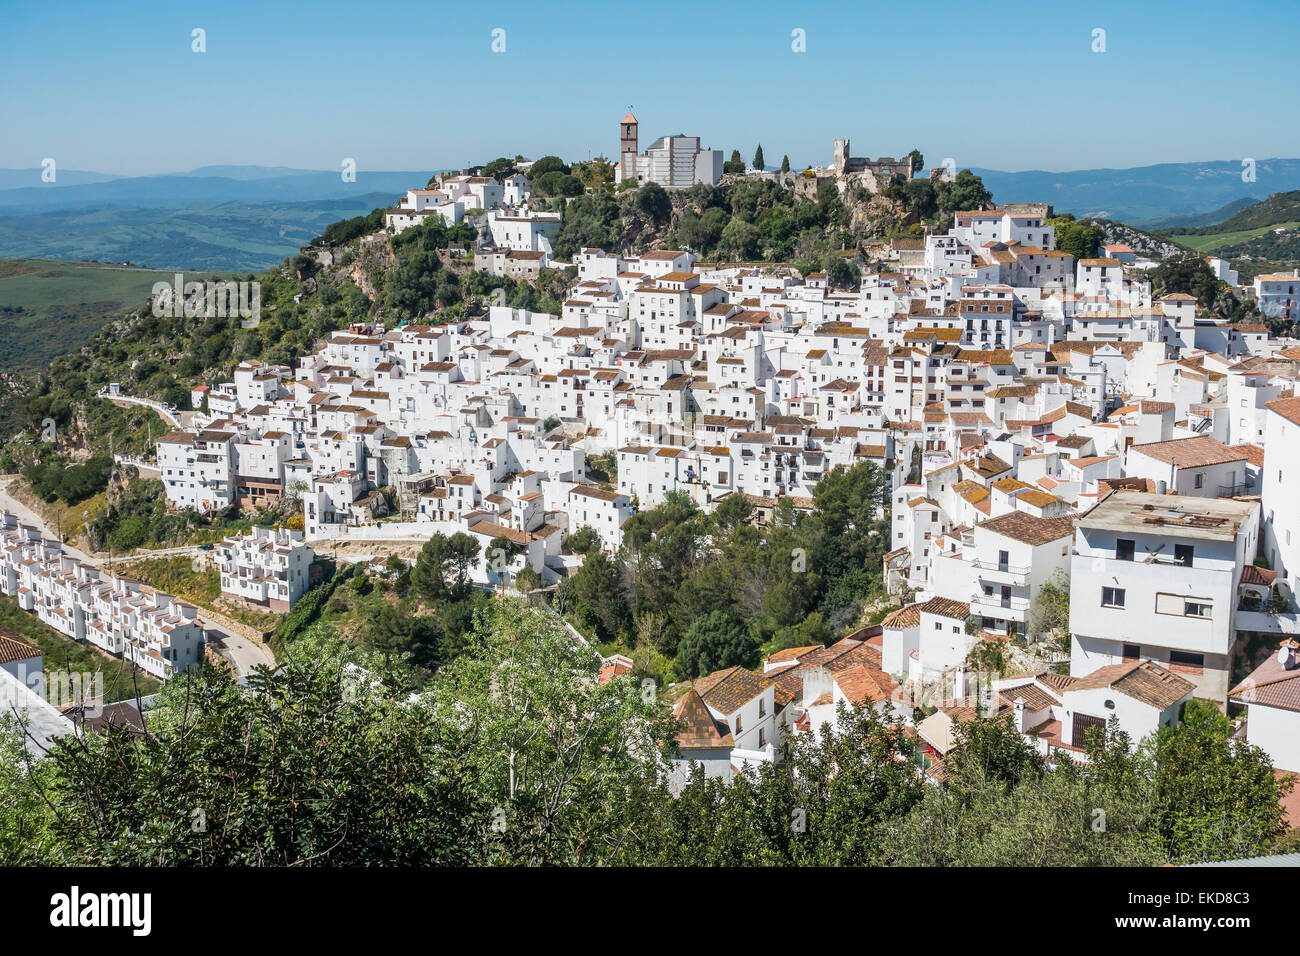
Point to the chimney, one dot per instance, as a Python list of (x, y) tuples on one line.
[(959, 688)]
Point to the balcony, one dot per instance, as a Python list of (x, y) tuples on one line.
[(1265, 623), (1005, 608), (1234, 489), (1000, 566)]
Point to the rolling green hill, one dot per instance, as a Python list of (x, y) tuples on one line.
[(1231, 243), (1252, 231), (1199, 220), (50, 307), (1276, 210)]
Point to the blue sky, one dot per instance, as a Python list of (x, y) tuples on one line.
[(998, 83)]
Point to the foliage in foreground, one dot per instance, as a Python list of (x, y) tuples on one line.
[(516, 755)]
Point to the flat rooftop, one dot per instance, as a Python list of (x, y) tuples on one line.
[(1211, 519)]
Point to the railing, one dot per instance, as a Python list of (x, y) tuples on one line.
[(1002, 566), (997, 601), (1234, 489)]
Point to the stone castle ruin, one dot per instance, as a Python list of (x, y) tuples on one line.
[(850, 172)]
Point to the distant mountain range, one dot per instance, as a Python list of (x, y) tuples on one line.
[(221, 237), (1148, 196), (223, 218), (209, 184)]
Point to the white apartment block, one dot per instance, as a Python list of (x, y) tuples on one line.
[(267, 567), (523, 231), (197, 468), (1278, 294), (1157, 578), (160, 634), (590, 506)]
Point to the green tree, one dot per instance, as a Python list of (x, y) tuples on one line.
[(785, 164), (717, 640), (1050, 617), (1217, 799), (841, 273), (594, 600), (1189, 274), (501, 553), (758, 158), (441, 570), (570, 762), (1079, 239), (583, 540), (732, 511), (966, 191), (527, 580), (282, 771), (991, 750), (739, 241), (499, 168), (597, 173), (593, 221), (652, 203), (547, 164)]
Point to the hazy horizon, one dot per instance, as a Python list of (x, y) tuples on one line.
[(406, 85)]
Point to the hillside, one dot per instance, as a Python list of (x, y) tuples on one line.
[(411, 277), (50, 307), (1277, 209), (1252, 232), (1198, 220), (1139, 240)]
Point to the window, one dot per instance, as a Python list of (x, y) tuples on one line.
[(1200, 480), (738, 723), (762, 737), (1183, 554), (1186, 662), (1195, 608), (1112, 597), (1124, 548), (1132, 652)]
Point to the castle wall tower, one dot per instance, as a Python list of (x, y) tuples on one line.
[(840, 156), (627, 146)]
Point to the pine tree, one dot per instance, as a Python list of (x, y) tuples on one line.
[(785, 164), (758, 157)]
